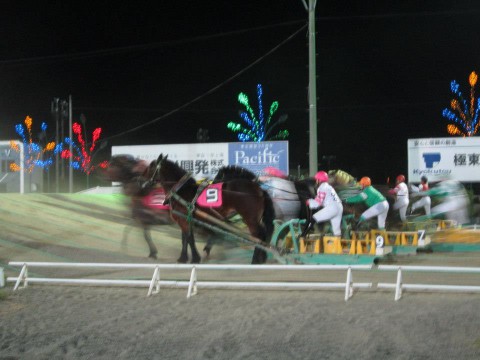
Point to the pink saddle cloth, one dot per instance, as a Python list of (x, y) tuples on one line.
[(211, 196), (156, 199)]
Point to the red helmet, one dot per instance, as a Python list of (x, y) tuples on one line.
[(400, 178), (321, 176)]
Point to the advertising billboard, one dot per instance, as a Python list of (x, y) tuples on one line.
[(444, 158), (204, 160)]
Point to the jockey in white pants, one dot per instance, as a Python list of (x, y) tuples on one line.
[(401, 197), (376, 202), (421, 191), (327, 198)]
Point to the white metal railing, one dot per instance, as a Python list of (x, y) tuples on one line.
[(192, 284), (399, 286)]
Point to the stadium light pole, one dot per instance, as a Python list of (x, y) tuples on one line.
[(312, 88)]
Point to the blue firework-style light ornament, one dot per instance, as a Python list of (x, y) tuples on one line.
[(34, 154), (463, 115), (257, 127)]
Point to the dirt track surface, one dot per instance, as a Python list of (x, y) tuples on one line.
[(45, 322)]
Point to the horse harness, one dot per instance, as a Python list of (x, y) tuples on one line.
[(190, 206)]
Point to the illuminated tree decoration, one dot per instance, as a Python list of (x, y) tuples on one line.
[(34, 154), (82, 156), (463, 115), (257, 128)]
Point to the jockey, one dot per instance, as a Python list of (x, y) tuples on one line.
[(421, 191), (282, 192), (328, 199), (400, 191), (453, 199), (375, 201)]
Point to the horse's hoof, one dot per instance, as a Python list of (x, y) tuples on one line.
[(153, 256), (181, 261), (196, 261), (207, 249)]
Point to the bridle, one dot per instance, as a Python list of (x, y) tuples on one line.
[(176, 187)]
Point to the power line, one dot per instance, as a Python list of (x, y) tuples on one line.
[(215, 88), (140, 47)]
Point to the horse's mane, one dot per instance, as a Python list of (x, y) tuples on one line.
[(341, 178), (305, 188), (174, 170), (231, 172)]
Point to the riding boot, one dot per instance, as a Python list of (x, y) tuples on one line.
[(360, 221), (307, 228)]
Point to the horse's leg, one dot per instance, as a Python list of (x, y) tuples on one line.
[(211, 240), (193, 248), (208, 247), (183, 255), (151, 245), (126, 231), (259, 255)]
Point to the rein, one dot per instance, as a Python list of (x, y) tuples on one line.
[(266, 186), (173, 193)]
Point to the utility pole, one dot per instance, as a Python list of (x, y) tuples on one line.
[(312, 88), (70, 168), (55, 114), (60, 110), (64, 112)]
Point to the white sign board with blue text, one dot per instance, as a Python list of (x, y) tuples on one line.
[(444, 158), (204, 160)]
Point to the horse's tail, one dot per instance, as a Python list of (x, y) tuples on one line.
[(268, 216)]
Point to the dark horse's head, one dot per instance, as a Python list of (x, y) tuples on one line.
[(124, 168), (128, 171), (168, 173)]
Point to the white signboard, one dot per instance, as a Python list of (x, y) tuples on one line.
[(11, 181), (444, 158), (204, 160)]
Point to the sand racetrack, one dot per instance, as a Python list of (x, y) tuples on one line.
[(48, 322), (73, 322)]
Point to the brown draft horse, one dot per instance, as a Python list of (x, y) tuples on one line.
[(240, 195), (130, 173)]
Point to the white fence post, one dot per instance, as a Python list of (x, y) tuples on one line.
[(23, 276), (398, 287), (155, 282), (192, 285), (349, 285)]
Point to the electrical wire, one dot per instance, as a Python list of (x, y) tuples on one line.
[(213, 89)]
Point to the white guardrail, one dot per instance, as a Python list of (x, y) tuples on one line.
[(399, 286), (193, 284)]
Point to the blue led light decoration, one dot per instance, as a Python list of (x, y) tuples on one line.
[(257, 128), (34, 154), (463, 115)]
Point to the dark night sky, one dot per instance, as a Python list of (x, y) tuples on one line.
[(383, 72)]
